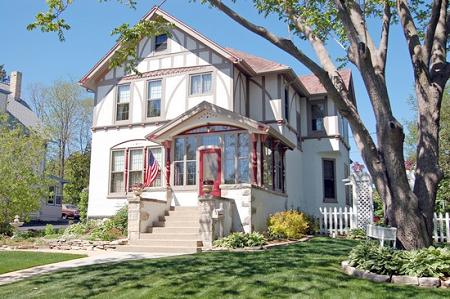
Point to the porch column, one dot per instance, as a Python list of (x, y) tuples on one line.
[(167, 145), (254, 158)]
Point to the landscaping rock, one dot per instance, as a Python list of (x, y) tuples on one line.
[(445, 283), (408, 280), (429, 282), (376, 277)]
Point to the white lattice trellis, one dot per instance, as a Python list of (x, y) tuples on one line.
[(362, 194)]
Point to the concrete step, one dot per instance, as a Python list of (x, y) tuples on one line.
[(170, 236), (167, 243), (157, 249), (180, 217), (171, 230), (183, 208), (171, 223), (183, 214)]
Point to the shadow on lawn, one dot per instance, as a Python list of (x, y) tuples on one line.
[(305, 269)]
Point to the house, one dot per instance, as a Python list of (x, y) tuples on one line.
[(266, 139), (20, 113)]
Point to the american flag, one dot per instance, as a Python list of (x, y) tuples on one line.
[(152, 170)]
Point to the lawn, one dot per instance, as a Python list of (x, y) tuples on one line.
[(17, 260), (304, 270)]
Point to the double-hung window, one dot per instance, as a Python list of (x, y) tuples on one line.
[(154, 98), (160, 42), (117, 171), (201, 84), (329, 180), (123, 102), (136, 167)]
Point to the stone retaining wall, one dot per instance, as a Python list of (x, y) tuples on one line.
[(77, 244), (430, 282)]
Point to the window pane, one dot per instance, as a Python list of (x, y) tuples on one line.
[(135, 177), (329, 188), (122, 111), (196, 84), (118, 161), (243, 170), (117, 183), (191, 172), (178, 173), (153, 108), (136, 159), (210, 140), (267, 164), (191, 147), (154, 89), (317, 115), (123, 94), (179, 149), (328, 179), (161, 42), (206, 83), (243, 145), (328, 169), (230, 155)]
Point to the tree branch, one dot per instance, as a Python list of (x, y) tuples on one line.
[(438, 61), (384, 42), (431, 28)]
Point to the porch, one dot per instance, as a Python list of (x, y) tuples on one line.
[(241, 160)]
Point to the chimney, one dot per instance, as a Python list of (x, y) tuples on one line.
[(15, 85)]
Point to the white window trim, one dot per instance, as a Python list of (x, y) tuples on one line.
[(210, 92), (116, 101)]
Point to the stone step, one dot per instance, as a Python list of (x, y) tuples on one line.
[(167, 243), (174, 223), (183, 214), (180, 217), (184, 208), (170, 236), (164, 230), (157, 249)]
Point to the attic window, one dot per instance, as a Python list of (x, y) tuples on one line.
[(160, 42)]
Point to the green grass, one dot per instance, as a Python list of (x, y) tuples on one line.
[(304, 270), (17, 260)]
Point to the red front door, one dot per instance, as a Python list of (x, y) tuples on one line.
[(210, 169)]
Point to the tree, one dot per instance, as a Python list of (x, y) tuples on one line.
[(315, 22), (2, 72), (65, 115), (77, 175), (23, 183), (443, 192)]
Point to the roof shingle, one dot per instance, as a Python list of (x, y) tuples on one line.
[(258, 64), (313, 85)]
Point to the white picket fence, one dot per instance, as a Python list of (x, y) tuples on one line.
[(338, 221)]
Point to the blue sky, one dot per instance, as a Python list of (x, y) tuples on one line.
[(42, 58)]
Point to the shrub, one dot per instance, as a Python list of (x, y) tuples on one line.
[(49, 230), (288, 224), (83, 204), (357, 234), (120, 220), (241, 240), (427, 262), (106, 231)]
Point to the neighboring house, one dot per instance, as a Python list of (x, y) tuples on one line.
[(268, 139), (19, 113)]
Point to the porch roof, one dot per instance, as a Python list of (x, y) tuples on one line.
[(206, 113)]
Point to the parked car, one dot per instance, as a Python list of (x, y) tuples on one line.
[(70, 211)]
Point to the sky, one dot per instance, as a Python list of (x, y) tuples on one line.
[(42, 58)]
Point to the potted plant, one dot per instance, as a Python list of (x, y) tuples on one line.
[(137, 189), (207, 186)]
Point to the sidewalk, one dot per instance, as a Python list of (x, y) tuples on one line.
[(95, 257)]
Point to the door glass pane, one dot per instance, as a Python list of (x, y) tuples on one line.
[(210, 166)]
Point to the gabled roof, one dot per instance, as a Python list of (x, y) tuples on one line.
[(213, 114), (314, 87), (102, 65), (21, 112), (258, 64)]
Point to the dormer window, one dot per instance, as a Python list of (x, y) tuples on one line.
[(160, 42), (201, 84), (123, 102)]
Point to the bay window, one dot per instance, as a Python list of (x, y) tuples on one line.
[(123, 102), (154, 98)]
